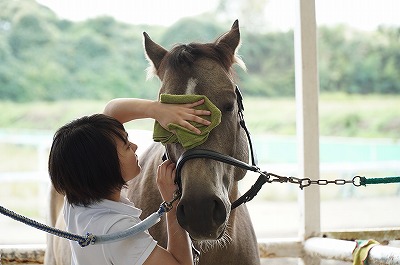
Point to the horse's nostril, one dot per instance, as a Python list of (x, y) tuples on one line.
[(180, 214), (219, 212), (202, 218)]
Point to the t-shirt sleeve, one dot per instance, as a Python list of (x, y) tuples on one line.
[(133, 250)]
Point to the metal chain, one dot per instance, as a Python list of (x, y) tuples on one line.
[(167, 206), (305, 182)]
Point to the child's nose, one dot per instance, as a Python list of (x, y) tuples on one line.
[(134, 147)]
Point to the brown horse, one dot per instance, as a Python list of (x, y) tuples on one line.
[(208, 187), (223, 236)]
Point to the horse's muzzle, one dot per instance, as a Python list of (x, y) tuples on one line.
[(203, 219)]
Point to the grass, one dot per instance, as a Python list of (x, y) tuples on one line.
[(360, 116), (340, 115), (45, 115)]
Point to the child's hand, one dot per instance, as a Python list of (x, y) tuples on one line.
[(166, 180), (181, 114)]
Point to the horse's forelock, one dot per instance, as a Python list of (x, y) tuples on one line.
[(186, 54)]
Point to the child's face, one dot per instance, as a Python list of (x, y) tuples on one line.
[(128, 159)]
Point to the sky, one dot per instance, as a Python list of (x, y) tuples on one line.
[(279, 14)]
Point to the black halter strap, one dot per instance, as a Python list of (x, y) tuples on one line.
[(239, 99), (204, 153)]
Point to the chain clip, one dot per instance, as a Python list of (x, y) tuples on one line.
[(306, 182), (167, 206)]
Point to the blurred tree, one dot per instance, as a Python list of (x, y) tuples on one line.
[(45, 58)]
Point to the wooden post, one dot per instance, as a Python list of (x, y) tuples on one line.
[(307, 91)]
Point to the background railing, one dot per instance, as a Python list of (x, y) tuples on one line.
[(274, 211)]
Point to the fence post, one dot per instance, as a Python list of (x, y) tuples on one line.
[(307, 90)]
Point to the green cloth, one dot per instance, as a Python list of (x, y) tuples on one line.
[(187, 138), (360, 253)]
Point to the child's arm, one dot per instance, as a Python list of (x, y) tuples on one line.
[(127, 109), (179, 251)]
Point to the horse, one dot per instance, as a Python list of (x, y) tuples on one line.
[(208, 187)]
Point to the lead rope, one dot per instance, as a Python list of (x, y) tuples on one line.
[(90, 239), (48, 229), (152, 219), (265, 177), (364, 181)]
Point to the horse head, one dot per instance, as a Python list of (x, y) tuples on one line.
[(208, 186)]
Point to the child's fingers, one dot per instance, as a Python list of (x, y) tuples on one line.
[(194, 117), (200, 120), (161, 170), (194, 104), (166, 180), (166, 170), (197, 119), (201, 112), (170, 170), (189, 126)]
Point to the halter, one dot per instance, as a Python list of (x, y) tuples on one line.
[(204, 153)]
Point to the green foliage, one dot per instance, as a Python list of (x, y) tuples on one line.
[(270, 62), (357, 62), (45, 58)]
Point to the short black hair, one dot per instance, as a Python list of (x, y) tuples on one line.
[(83, 160)]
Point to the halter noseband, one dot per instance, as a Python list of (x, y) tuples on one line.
[(204, 153)]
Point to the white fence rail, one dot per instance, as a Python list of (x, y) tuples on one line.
[(322, 248), (333, 249)]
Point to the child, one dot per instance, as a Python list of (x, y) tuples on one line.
[(91, 160)]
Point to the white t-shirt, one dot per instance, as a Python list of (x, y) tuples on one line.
[(104, 218)]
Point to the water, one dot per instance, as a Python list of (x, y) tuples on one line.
[(269, 148), (283, 149)]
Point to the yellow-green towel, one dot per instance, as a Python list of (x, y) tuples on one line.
[(360, 253), (187, 138)]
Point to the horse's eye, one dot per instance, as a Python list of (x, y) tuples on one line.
[(229, 107)]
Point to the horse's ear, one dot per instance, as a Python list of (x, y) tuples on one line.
[(231, 38), (153, 51)]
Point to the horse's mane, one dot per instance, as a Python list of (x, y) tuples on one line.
[(186, 54)]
